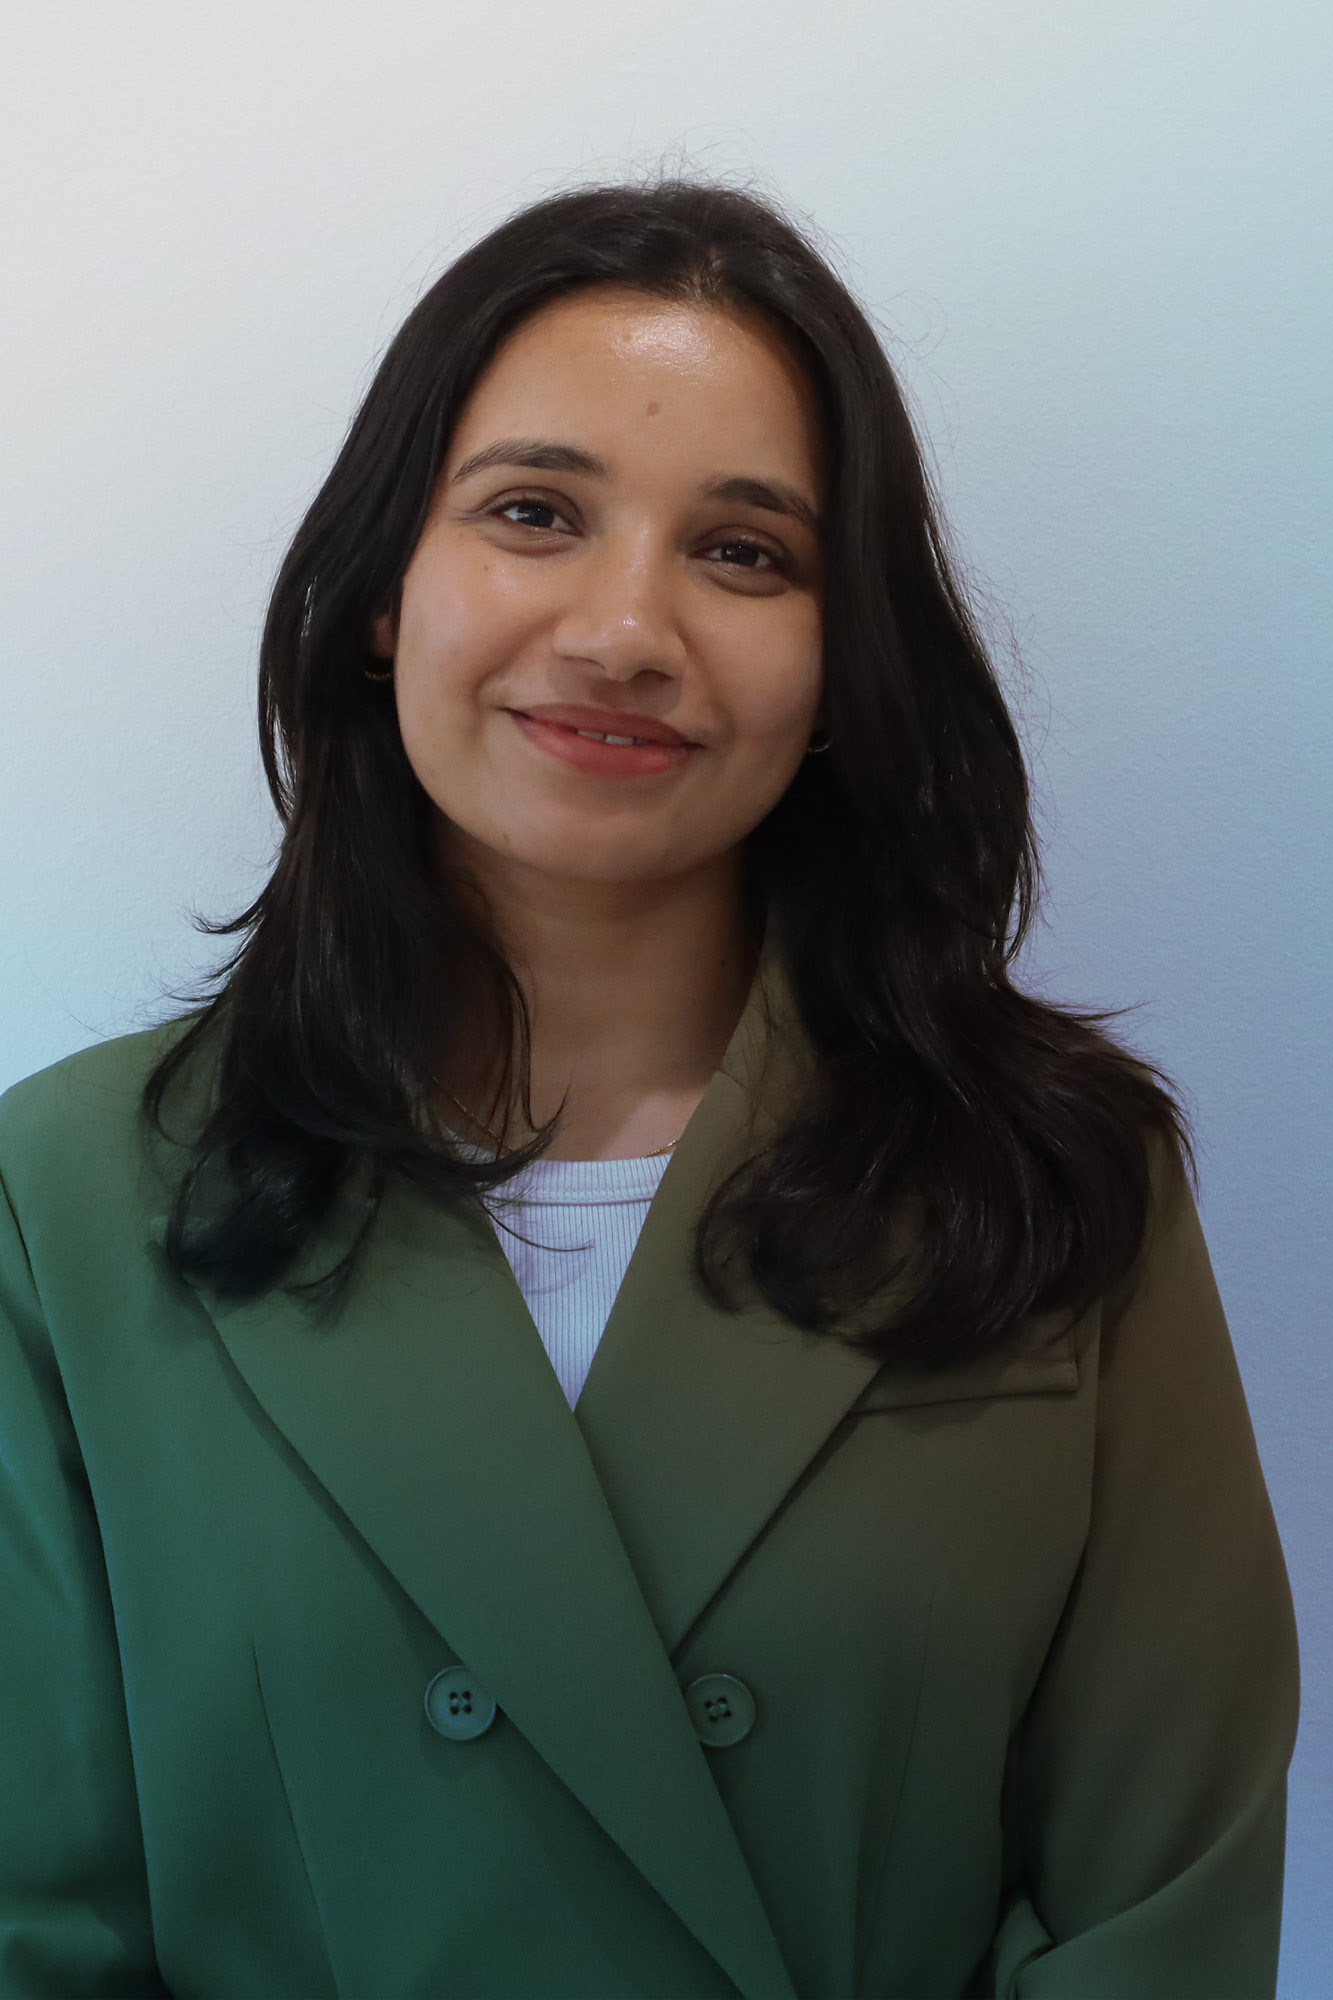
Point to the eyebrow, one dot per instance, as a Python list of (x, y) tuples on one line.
[(773, 496)]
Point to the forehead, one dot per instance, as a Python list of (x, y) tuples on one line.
[(657, 371)]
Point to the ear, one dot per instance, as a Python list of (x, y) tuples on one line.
[(384, 634)]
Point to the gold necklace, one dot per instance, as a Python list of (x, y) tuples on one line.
[(493, 1135)]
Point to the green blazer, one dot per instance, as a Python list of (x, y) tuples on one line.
[(1017, 1638)]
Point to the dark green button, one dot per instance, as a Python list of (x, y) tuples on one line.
[(458, 1705), (721, 1709)]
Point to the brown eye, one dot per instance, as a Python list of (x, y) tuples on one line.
[(737, 553), (510, 509)]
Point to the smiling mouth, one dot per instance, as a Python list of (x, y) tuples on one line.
[(592, 735), (602, 751), (655, 735), (596, 736)]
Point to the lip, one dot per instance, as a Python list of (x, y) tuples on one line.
[(639, 761), (611, 721)]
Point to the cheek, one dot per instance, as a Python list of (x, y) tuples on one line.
[(439, 660), (447, 626), (457, 637), (464, 612), (777, 683), (424, 729)]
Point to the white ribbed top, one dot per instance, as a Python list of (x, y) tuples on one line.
[(582, 1219)]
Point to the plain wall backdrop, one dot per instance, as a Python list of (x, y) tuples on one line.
[(1097, 238)]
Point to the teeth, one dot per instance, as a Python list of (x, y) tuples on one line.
[(594, 737)]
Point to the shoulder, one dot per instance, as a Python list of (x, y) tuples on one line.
[(1171, 1232), (99, 1084), (80, 1122)]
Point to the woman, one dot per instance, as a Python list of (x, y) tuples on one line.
[(619, 1414)]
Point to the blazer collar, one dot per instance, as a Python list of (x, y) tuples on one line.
[(698, 1422), (553, 1550)]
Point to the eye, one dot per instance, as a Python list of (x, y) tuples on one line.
[(750, 557), (527, 511)]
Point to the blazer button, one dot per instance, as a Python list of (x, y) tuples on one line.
[(721, 1709), (458, 1705)]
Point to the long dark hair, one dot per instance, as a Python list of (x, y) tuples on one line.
[(899, 870)]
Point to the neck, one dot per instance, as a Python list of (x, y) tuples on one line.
[(633, 992)]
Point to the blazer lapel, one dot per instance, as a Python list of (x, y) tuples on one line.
[(698, 1421), (558, 1552), (430, 1413)]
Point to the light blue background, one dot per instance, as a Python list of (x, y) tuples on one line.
[(1098, 239)]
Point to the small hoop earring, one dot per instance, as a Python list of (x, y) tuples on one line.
[(372, 674), (812, 749)]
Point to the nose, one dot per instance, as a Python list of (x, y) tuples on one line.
[(620, 613)]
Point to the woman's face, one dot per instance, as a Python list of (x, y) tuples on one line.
[(627, 522)]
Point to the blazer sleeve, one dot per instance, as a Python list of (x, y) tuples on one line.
[(74, 1915), (1149, 1778)]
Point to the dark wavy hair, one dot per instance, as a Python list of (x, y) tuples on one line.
[(900, 870)]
